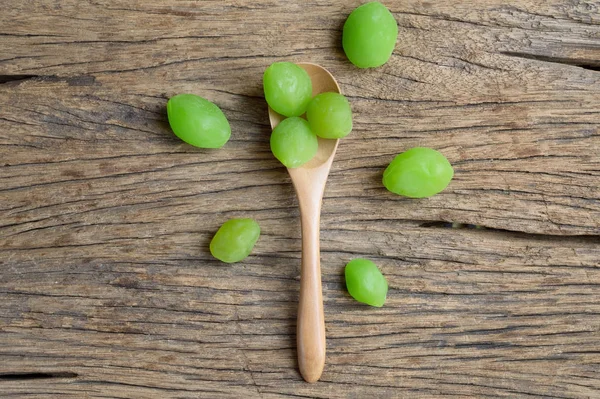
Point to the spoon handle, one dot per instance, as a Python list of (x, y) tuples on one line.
[(311, 320)]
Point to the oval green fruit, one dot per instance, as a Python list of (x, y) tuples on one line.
[(418, 173), (235, 240), (293, 143), (365, 282), (197, 121), (369, 35), (288, 88), (329, 115)]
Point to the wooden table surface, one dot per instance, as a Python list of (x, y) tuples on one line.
[(107, 287)]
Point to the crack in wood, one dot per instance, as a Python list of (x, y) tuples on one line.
[(440, 224), (79, 80), (36, 376), (15, 78), (592, 65)]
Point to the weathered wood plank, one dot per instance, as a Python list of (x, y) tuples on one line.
[(537, 178), (522, 133), (107, 288), (470, 312)]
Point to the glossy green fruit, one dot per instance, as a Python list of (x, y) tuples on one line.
[(365, 282), (369, 35), (293, 143), (418, 173), (234, 240), (197, 121), (288, 88), (329, 115)]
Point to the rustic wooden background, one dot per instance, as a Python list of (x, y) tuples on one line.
[(107, 288)]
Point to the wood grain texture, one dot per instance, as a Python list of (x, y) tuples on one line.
[(107, 288)]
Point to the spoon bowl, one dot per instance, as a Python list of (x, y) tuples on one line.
[(309, 182), (322, 82)]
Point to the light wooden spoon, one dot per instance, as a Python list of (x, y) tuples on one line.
[(309, 181)]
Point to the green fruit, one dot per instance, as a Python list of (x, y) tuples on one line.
[(369, 35), (329, 115), (418, 173), (365, 282), (197, 121), (293, 143), (288, 88), (234, 240)]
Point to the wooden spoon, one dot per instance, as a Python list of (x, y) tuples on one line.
[(309, 181)]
